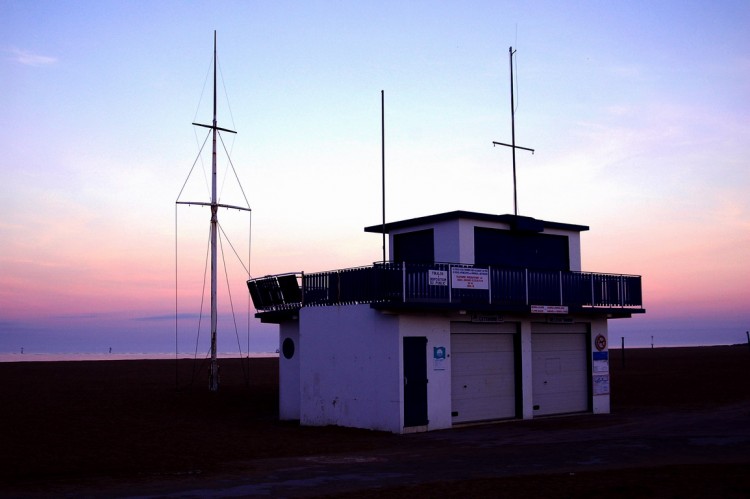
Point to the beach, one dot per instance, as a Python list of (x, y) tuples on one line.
[(152, 428)]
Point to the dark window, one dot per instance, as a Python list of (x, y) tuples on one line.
[(414, 247), (531, 250), (287, 348)]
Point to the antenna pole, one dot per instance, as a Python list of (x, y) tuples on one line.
[(382, 155), (213, 377), (513, 145), (513, 133)]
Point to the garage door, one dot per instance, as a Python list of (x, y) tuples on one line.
[(560, 372), (483, 384)]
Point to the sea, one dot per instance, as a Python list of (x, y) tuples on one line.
[(57, 357), (638, 332)]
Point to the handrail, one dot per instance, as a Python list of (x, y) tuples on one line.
[(446, 283)]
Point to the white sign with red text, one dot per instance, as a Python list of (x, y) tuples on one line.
[(470, 278)]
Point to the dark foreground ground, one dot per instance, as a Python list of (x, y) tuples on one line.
[(680, 427)]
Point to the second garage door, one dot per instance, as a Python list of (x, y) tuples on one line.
[(560, 369), (483, 383)]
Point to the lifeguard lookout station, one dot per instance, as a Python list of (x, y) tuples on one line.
[(475, 317)]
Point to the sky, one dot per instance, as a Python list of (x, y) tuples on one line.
[(637, 111)]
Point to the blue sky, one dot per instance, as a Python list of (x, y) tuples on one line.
[(637, 111)]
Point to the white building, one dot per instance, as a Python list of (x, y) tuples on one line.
[(475, 318)]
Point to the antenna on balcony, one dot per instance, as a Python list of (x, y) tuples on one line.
[(382, 155), (513, 145)]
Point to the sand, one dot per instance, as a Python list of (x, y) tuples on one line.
[(114, 427)]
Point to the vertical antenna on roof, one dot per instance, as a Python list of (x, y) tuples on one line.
[(513, 145), (382, 155)]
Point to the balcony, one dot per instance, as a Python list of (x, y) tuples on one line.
[(441, 286)]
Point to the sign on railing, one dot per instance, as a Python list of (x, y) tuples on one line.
[(470, 278)]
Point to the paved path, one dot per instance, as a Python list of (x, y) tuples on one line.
[(568, 445)]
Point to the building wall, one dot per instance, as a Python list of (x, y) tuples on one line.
[(454, 240), (349, 368), (289, 372)]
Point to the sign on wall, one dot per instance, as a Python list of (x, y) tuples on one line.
[(438, 358), (470, 278), (438, 277), (601, 362), (549, 309), (601, 384)]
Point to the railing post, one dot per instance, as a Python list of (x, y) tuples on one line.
[(489, 285), (592, 290), (561, 289), (302, 282), (450, 283), (403, 282), (526, 284)]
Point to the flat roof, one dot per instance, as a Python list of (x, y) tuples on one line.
[(515, 221)]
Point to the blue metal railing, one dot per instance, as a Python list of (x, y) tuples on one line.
[(445, 283)]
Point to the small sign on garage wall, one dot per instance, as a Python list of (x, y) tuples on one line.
[(438, 358), (601, 362), (601, 384)]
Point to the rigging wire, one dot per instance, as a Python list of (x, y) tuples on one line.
[(515, 44), (226, 96), (247, 203), (203, 299), (515, 75), (224, 180), (192, 167), (195, 119), (226, 172), (203, 90), (234, 250), (176, 306), (231, 306), (249, 301)]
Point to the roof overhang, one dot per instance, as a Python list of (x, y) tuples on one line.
[(516, 222)]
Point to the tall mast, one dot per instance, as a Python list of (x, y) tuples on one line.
[(213, 379), (213, 375)]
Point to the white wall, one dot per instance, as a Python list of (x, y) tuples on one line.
[(601, 403), (289, 374), (350, 368)]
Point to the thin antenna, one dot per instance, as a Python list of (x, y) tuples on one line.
[(382, 155), (513, 145)]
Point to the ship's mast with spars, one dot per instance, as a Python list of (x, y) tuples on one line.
[(213, 382)]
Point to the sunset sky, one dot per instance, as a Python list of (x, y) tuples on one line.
[(638, 112)]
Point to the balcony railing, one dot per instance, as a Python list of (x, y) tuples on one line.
[(447, 283)]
